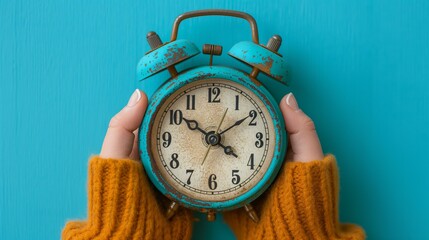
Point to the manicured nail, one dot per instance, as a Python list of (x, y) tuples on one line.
[(291, 101), (135, 98)]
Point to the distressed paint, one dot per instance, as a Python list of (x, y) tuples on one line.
[(261, 58), (165, 56), (202, 74)]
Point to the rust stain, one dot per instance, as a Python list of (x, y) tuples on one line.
[(203, 75), (266, 65), (255, 81), (174, 55)]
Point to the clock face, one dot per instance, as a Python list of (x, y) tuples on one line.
[(212, 140)]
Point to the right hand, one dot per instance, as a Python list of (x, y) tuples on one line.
[(304, 144)]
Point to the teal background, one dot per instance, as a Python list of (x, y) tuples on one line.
[(360, 69)]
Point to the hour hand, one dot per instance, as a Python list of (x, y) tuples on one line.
[(228, 150), (193, 125)]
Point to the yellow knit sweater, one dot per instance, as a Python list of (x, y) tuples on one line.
[(301, 204)]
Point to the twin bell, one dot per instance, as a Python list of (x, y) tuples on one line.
[(262, 58)]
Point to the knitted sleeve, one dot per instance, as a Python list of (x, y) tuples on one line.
[(122, 205), (301, 204)]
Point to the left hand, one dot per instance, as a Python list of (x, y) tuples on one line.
[(121, 140)]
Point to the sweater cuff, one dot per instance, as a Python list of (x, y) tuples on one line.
[(302, 203), (114, 193), (308, 200), (122, 205), (310, 196)]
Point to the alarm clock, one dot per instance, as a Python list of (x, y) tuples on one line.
[(213, 138)]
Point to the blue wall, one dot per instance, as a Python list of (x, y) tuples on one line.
[(360, 69)]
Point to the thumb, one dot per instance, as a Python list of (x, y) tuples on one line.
[(304, 142), (119, 139)]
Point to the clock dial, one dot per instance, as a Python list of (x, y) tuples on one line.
[(212, 140)]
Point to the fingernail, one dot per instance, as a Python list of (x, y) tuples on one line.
[(291, 101), (135, 98)]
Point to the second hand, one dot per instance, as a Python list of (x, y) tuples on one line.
[(217, 130)]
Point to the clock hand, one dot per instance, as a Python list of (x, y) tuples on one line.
[(235, 124), (193, 125), (217, 130), (221, 121), (228, 150)]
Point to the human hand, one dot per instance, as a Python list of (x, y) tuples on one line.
[(121, 144), (121, 140), (278, 208), (122, 203), (303, 144)]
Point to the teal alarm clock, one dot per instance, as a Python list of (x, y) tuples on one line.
[(213, 138)]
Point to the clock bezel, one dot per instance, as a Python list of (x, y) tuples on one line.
[(201, 74)]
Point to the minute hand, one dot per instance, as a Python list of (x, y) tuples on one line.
[(235, 124)]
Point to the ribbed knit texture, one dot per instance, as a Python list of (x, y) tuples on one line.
[(123, 205), (301, 204)]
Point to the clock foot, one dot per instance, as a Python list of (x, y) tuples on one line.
[(252, 213), (211, 216), (172, 209)]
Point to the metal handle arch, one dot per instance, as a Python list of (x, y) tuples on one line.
[(216, 12)]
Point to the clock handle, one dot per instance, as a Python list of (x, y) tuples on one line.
[(216, 12)]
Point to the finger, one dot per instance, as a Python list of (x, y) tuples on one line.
[(119, 139), (135, 153), (303, 137)]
